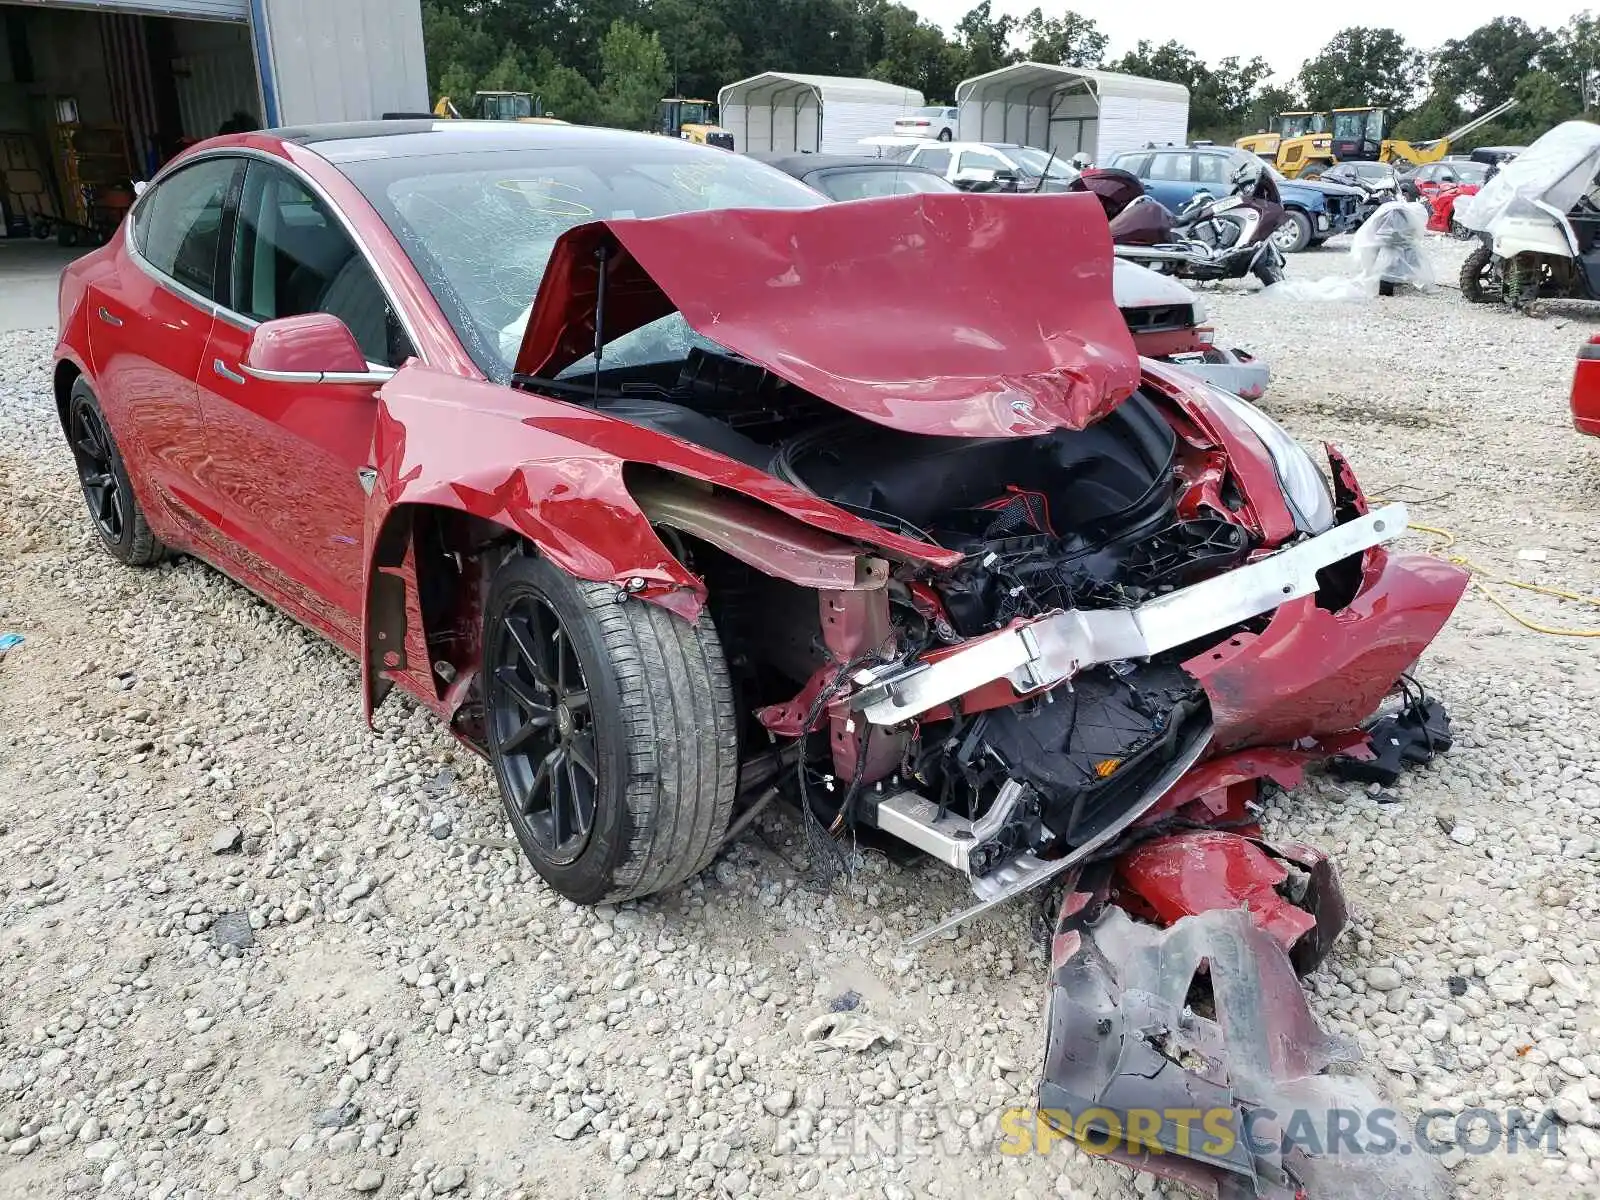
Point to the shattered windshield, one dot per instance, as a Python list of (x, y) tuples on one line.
[(480, 226)]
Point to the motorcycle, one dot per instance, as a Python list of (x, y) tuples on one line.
[(1537, 223), (1441, 204), (1224, 238)]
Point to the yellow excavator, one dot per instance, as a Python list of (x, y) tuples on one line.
[(1356, 135), (498, 106), (694, 121)]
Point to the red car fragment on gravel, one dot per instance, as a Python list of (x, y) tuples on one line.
[(610, 450)]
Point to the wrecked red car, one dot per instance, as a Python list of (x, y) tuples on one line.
[(613, 452)]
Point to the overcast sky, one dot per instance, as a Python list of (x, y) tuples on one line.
[(1284, 34)]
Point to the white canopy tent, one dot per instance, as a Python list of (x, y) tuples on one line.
[(1072, 109), (778, 111)]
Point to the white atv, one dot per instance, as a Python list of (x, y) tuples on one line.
[(1538, 223)]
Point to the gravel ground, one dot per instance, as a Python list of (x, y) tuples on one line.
[(250, 948)]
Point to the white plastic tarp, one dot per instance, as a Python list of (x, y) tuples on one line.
[(1557, 169)]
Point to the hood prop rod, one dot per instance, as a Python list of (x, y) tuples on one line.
[(602, 255)]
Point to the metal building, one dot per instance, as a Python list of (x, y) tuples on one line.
[(827, 114), (1072, 109), (95, 93)]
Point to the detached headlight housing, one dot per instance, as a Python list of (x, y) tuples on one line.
[(1304, 489)]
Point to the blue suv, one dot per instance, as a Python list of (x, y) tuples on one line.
[(1177, 174)]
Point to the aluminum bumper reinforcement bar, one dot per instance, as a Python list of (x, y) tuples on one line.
[(1046, 650)]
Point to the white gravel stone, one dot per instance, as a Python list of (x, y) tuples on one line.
[(165, 707)]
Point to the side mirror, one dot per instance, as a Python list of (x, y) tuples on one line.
[(1005, 175), (313, 348), (975, 176)]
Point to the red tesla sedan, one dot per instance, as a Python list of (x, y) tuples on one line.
[(611, 451)]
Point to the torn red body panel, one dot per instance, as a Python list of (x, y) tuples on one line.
[(1313, 672), (808, 294), (1202, 869)]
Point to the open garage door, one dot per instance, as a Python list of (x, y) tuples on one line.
[(215, 10), (96, 96)]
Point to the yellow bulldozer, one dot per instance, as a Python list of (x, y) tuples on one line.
[(694, 121), (498, 106), (1352, 135)]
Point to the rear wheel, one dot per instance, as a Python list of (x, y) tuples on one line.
[(113, 508), (1476, 274), (1294, 235), (612, 732)]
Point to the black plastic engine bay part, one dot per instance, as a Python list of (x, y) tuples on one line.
[(1112, 479), (1412, 736), (1082, 752)]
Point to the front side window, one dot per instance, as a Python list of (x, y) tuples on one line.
[(178, 224), (479, 226), (291, 257)]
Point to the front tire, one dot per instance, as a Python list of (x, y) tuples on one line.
[(612, 732), (113, 508), (1295, 234), (946, 136), (1474, 274)]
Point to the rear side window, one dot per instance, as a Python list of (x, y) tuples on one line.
[(1133, 164), (870, 182), (178, 228), (1175, 167), (934, 160), (979, 159)]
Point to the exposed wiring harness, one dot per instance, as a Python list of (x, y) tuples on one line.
[(1479, 573)]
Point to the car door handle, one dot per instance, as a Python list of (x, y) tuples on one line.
[(109, 317), (227, 372)]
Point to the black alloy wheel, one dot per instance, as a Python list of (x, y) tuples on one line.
[(91, 447), (543, 727)]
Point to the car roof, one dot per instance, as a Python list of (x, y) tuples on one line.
[(803, 164), (415, 137)]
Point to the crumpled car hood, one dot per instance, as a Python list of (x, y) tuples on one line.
[(962, 315)]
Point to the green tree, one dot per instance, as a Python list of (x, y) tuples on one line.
[(459, 52), (702, 52), (568, 95), (1363, 66), (511, 73), (1573, 60), (633, 76), (902, 48), (1436, 115), (1263, 108), (1071, 40), (1484, 67), (986, 39)]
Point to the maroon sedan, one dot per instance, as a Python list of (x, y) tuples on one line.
[(613, 452)]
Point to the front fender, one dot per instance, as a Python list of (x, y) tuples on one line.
[(552, 473)]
